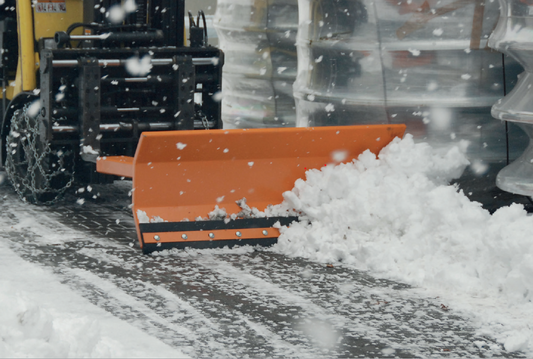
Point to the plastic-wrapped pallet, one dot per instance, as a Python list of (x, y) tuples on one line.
[(513, 37), (420, 62), (258, 38)]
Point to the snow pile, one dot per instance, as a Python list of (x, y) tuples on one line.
[(395, 215)]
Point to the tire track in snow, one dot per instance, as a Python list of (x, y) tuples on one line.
[(102, 294), (198, 286), (332, 335), (356, 304), (407, 319), (126, 294), (157, 324)]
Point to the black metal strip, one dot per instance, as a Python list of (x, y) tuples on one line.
[(153, 247), (213, 225), (89, 106)]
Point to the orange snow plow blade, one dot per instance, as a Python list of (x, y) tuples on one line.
[(180, 176)]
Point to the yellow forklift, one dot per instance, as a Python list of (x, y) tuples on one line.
[(82, 78)]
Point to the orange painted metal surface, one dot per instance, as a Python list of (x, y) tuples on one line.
[(182, 175), (204, 236), (115, 165)]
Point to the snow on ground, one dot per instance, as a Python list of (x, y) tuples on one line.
[(397, 216), (43, 318)]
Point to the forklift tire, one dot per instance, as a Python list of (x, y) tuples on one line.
[(39, 173)]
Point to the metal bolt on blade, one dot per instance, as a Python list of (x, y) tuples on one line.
[(156, 237), (265, 232), (211, 235), (184, 236), (238, 234)]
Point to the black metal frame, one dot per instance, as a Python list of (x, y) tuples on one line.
[(89, 99), (165, 15), (247, 223), (8, 53)]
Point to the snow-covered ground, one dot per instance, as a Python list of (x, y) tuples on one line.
[(42, 318), (394, 216)]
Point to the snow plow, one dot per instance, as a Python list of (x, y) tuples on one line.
[(179, 177)]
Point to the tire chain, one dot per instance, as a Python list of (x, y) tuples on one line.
[(35, 159)]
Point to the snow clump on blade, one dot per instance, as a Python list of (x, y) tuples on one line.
[(142, 217)]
